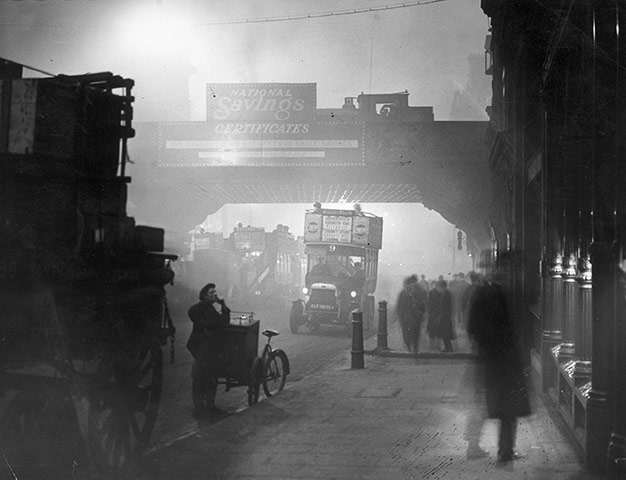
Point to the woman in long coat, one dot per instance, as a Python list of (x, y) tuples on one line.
[(440, 316)]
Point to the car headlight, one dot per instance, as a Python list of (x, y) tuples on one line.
[(353, 294), (305, 290)]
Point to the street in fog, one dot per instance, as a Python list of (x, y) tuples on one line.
[(307, 353), (320, 158)]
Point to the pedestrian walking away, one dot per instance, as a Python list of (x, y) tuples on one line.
[(440, 317), (423, 283), (410, 308), (500, 370), (475, 281)]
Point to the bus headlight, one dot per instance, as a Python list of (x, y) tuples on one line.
[(353, 294), (305, 290)]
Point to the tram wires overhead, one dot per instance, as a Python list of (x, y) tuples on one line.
[(307, 16), (285, 18)]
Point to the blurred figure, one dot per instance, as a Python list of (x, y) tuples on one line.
[(463, 285), (473, 378), (500, 371), (440, 317), (454, 287), (410, 308), (423, 284), (475, 281)]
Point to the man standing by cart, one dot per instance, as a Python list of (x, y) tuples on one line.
[(209, 316)]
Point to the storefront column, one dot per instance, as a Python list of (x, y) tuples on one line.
[(570, 301), (556, 292), (551, 326), (583, 327)]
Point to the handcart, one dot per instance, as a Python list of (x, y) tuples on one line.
[(239, 363)]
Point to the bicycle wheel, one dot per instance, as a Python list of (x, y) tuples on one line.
[(274, 373)]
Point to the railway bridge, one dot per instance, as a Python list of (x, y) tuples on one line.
[(268, 143)]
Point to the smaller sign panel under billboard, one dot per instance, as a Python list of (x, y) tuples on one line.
[(211, 144)]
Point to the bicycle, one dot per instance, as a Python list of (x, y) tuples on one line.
[(269, 370), (239, 363)]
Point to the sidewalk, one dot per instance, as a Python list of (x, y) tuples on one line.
[(397, 418)]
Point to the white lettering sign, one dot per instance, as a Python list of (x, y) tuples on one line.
[(336, 228)]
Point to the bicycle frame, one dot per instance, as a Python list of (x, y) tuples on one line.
[(267, 350)]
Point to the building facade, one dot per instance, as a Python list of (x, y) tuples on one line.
[(558, 160)]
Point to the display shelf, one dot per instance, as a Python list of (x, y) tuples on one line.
[(569, 398)]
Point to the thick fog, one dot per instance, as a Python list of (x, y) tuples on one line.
[(173, 49), (433, 49), (416, 240)]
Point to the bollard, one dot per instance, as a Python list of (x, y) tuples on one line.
[(357, 339), (381, 339)]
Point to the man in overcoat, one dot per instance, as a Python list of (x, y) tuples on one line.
[(410, 308), (209, 316), (440, 316), (499, 362)]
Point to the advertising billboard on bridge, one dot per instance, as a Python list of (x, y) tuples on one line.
[(261, 125), (261, 102)]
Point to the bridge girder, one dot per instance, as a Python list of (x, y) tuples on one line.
[(454, 181)]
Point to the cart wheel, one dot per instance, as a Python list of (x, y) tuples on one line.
[(123, 405), (39, 432), (275, 373), (255, 382)]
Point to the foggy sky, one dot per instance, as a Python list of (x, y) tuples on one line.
[(423, 49)]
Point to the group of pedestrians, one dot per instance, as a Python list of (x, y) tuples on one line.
[(418, 303), (498, 374)]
